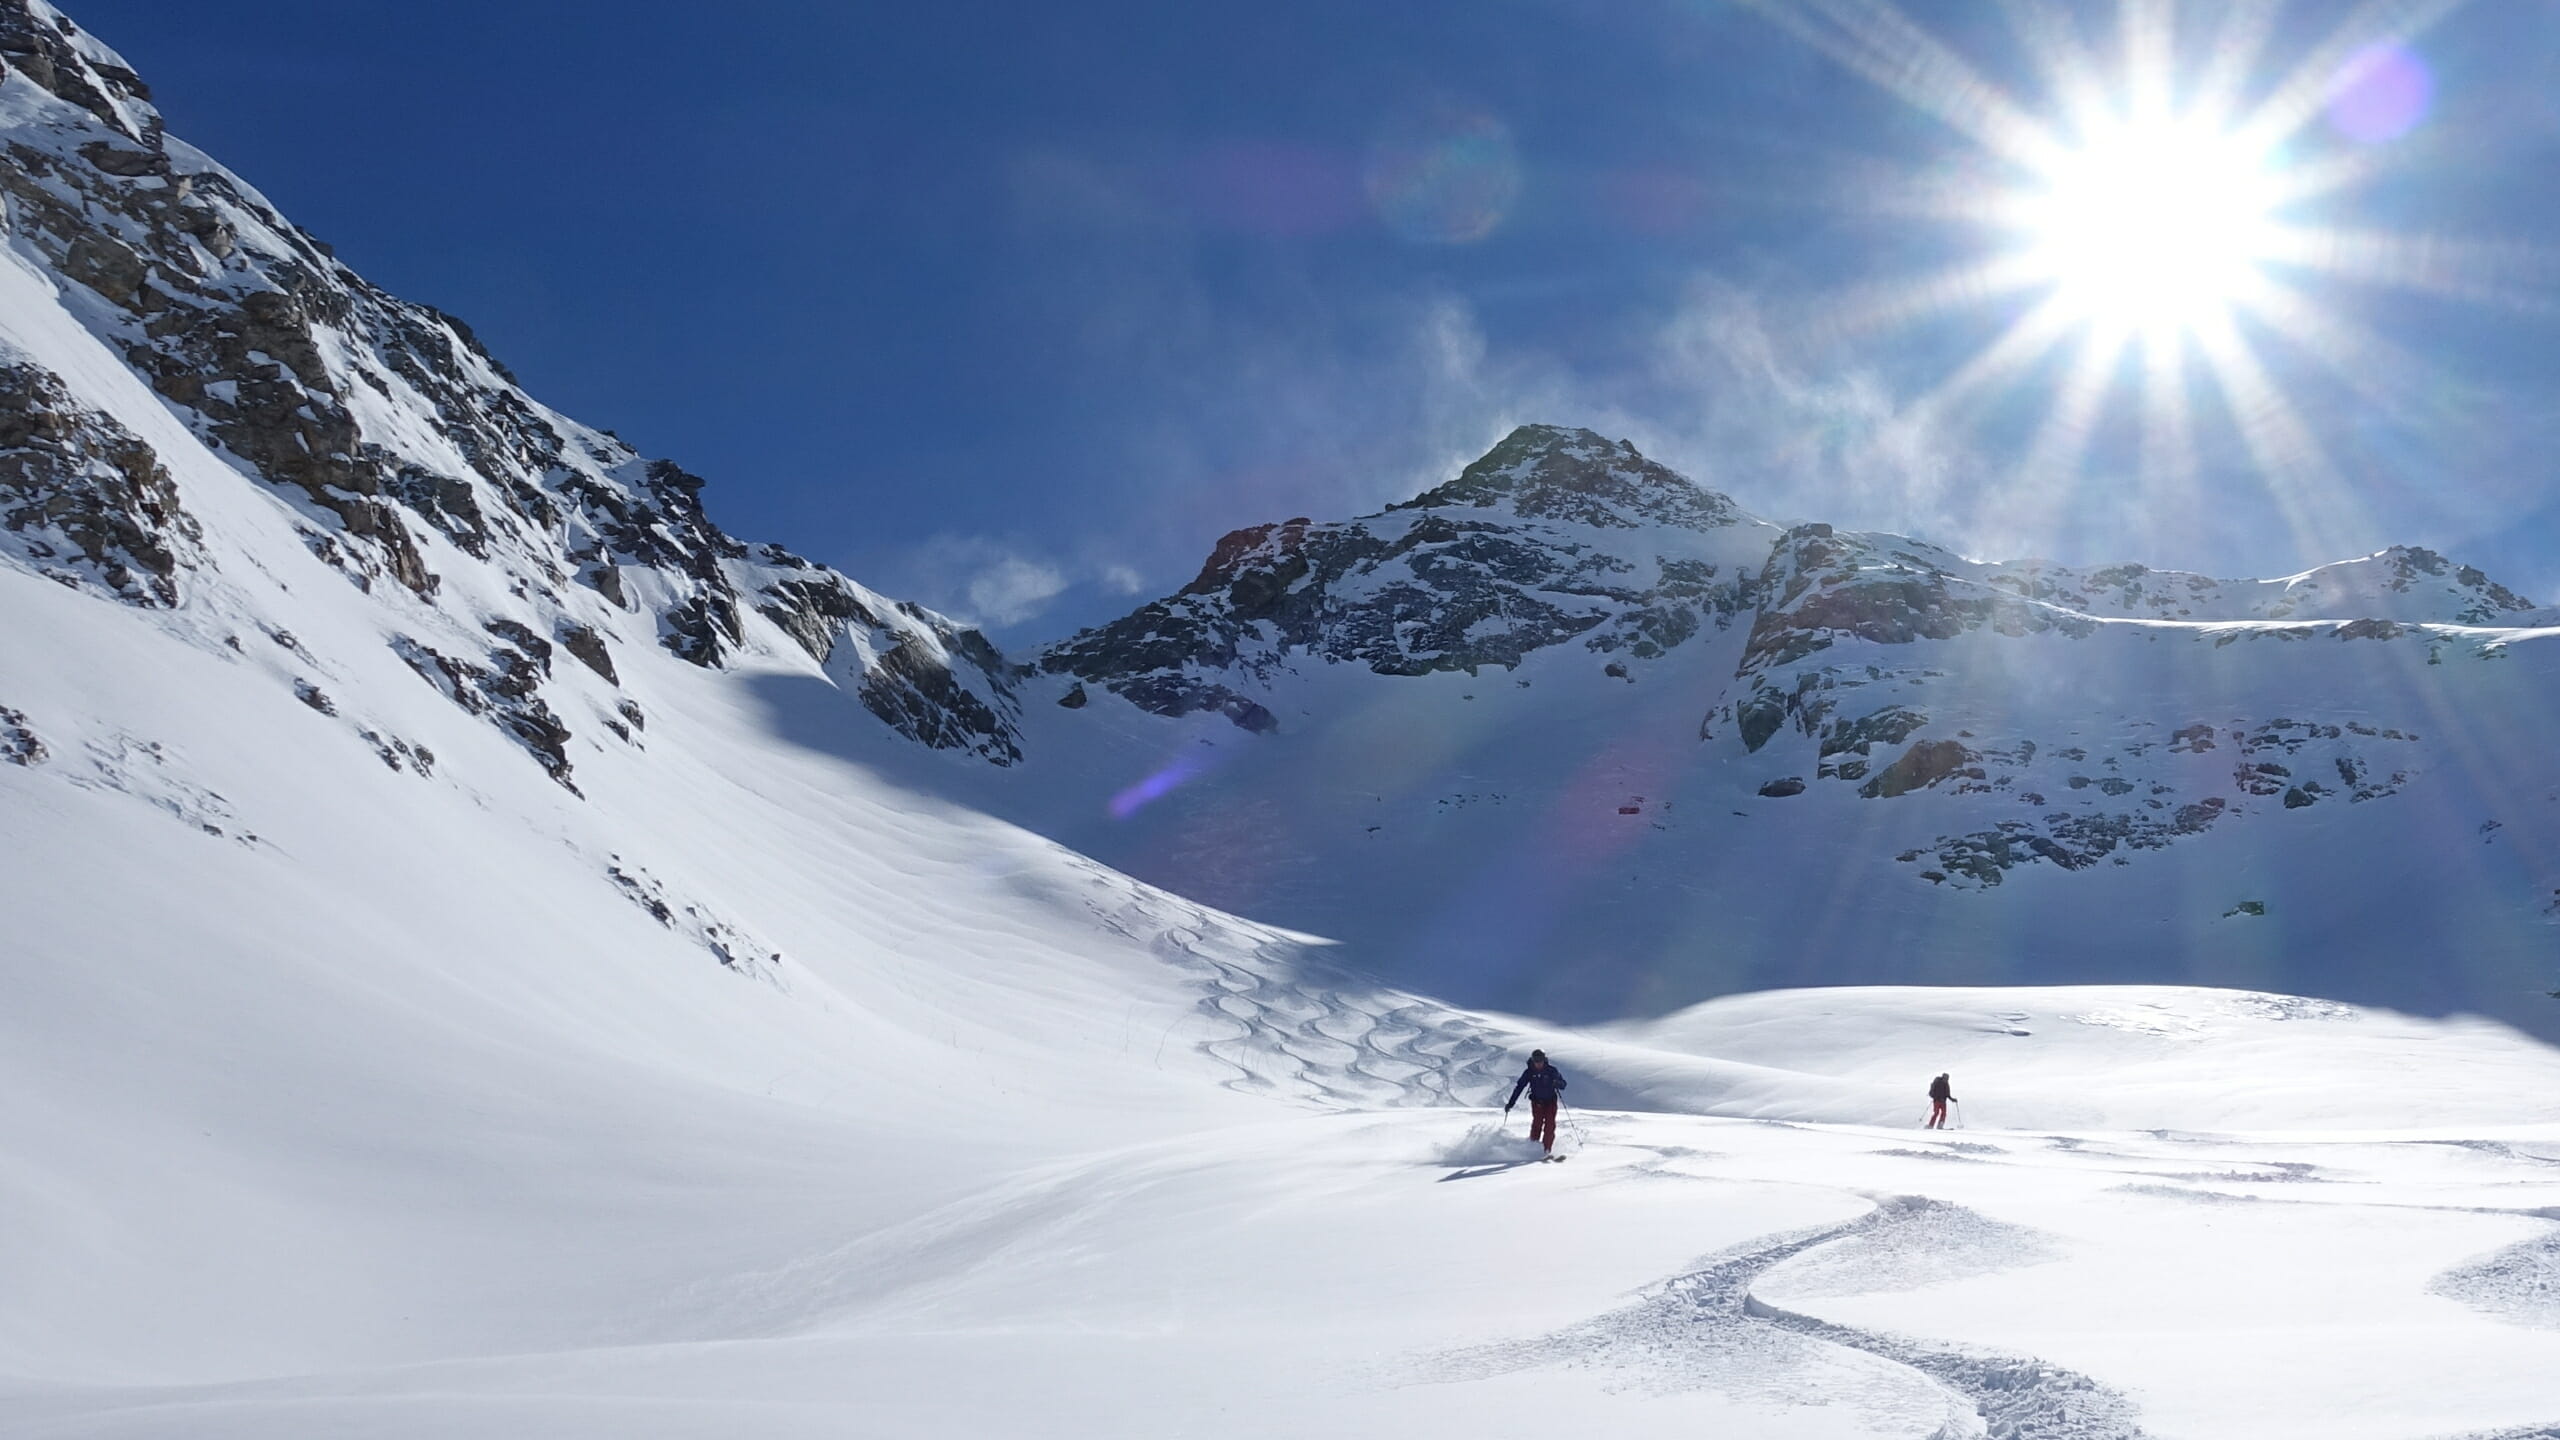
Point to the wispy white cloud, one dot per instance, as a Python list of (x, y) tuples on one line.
[(1000, 582), (1013, 588)]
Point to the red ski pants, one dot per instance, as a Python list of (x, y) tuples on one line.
[(1542, 1123), (1937, 1115)]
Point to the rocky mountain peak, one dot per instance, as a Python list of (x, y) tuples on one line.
[(1556, 535), (1552, 472)]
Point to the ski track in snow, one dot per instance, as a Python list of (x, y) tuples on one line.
[(1708, 1328), (1288, 1023)]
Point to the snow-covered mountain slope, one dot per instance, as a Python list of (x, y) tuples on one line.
[(1568, 734), (1574, 736), (407, 458), (402, 893), (457, 984)]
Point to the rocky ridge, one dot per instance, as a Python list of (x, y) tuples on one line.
[(1859, 652), (1555, 536), (1862, 661), (406, 451)]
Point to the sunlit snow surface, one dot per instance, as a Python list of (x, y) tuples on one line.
[(747, 1093)]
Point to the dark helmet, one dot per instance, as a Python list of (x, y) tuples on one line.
[(1537, 1054)]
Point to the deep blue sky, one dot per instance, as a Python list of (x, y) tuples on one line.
[(980, 301)]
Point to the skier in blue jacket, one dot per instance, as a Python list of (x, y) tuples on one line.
[(1545, 1084)]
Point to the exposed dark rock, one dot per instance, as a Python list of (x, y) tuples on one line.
[(1922, 765), (2071, 841), (18, 742), (1778, 789), (1889, 726), (399, 754), (534, 648), (728, 943), (701, 630), (315, 697), (1249, 716), (914, 690), (506, 691), (1825, 585), (630, 710), (83, 498), (1482, 571), (590, 649), (1551, 472), (36, 48), (815, 611), (1075, 698)]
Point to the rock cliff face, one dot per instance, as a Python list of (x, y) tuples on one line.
[(408, 454)]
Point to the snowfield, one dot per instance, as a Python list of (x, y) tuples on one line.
[(488, 954), (390, 1111)]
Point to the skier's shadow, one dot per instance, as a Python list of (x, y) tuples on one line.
[(1483, 1170)]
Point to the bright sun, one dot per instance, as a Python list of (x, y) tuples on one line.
[(2156, 200), (2153, 228)]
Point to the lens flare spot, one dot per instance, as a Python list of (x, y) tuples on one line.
[(1274, 189), (1445, 175), (1155, 787), (2380, 94)]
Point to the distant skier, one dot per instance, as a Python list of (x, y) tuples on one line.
[(1545, 1084), (1940, 1092)]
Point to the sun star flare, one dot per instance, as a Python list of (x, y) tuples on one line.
[(2150, 227)]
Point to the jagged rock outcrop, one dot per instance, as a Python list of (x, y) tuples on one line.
[(507, 689), (19, 743), (1555, 536), (83, 499)]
